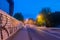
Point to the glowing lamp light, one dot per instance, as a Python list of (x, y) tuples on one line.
[(40, 19)]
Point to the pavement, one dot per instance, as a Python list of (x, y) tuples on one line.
[(37, 33)]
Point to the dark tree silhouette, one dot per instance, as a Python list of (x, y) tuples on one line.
[(19, 16), (11, 7), (52, 18), (46, 13), (56, 18), (45, 10)]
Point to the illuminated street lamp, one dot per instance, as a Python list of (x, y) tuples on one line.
[(40, 19)]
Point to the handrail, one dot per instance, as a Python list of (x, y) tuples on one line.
[(3, 27), (11, 25)]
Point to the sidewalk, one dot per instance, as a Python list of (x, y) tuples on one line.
[(20, 35)]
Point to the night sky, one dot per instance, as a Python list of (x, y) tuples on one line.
[(31, 8)]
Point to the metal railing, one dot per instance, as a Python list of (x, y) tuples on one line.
[(8, 25)]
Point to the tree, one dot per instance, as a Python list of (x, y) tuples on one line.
[(52, 18), (45, 12), (56, 18), (19, 16), (40, 21)]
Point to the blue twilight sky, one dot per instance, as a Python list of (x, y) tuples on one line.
[(31, 8)]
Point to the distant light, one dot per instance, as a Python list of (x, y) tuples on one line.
[(40, 19), (26, 20)]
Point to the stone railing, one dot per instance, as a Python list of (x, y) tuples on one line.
[(8, 25)]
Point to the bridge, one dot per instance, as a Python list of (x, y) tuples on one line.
[(12, 29)]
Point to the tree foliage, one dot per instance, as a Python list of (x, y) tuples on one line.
[(19, 16), (46, 14), (52, 18)]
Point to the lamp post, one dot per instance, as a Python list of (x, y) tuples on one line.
[(11, 7)]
